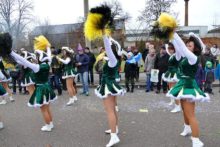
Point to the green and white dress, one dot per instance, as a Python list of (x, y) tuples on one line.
[(5, 77), (171, 75), (2, 91), (69, 71), (43, 93), (187, 87), (28, 78), (108, 85)]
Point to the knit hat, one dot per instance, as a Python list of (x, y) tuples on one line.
[(79, 47)]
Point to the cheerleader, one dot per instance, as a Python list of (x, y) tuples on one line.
[(43, 93), (69, 73), (4, 80), (171, 75), (186, 90), (28, 77), (2, 94)]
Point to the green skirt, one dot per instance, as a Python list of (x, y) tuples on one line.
[(188, 89), (69, 73), (3, 91), (170, 77), (43, 95), (28, 79), (111, 87)]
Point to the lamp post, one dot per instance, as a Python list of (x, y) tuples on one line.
[(86, 11), (186, 12)]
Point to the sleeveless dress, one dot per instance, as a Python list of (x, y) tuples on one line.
[(187, 87), (43, 93), (171, 75), (28, 78), (108, 85), (69, 71)]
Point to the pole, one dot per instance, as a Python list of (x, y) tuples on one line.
[(86, 10), (186, 12)]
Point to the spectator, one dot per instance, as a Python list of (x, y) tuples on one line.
[(82, 64), (56, 72), (161, 63), (207, 56), (149, 64), (136, 52), (215, 51), (200, 76), (91, 65), (100, 63), (15, 74), (209, 77), (146, 51)]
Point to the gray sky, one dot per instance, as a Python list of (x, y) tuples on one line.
[(201, 12)]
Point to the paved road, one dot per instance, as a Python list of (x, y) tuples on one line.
[(83, 124)]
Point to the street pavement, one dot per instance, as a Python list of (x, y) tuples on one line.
[(145, 121)]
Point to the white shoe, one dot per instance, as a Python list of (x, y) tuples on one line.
[(51, 125), (187, 130), (196, 142), (3, 102), (1, 125), (116, 109), (176, 109), (46, 128), (75, 98), (71, 101), (114, 140), (109, 131), (11, 99)]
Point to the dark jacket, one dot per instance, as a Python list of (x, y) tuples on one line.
[(161, 63), (84, 60), (144, 54), (130, 69), (205, 58), (91, 60)]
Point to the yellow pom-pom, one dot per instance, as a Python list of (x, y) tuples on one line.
[(166, 20), (92, 30), (41, 43), (100, 57)]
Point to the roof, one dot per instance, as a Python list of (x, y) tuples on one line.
[(216, 30), (56, 29)]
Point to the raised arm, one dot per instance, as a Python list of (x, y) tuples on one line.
[(181, 50), (24, 62), (66, 61), (112, 59), (49, 55)]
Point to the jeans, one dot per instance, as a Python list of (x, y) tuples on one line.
[(91, 76), (148, 83), (84, 79), (14, 85), (55, 83)]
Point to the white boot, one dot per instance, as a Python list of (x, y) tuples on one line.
[(187, 130), (176, 109), (114, 140), (171, 102), (1, 125), (196, 142), (3, 102), (46, 128), (11, 99), (116, 109), (109, 131), (70, 102), (51, 125), (75, 98)]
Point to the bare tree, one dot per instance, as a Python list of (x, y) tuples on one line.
[(15, 15), (153, 9), (117, 10)]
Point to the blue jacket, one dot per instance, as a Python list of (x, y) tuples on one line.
[(84, 60)]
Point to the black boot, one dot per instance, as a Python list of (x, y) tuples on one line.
[(127, 88)]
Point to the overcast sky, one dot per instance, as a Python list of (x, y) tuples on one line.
[(201, 12)]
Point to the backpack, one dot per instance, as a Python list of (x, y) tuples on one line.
[(99, 66)]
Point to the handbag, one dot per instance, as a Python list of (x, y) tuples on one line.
[(154, 75)]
